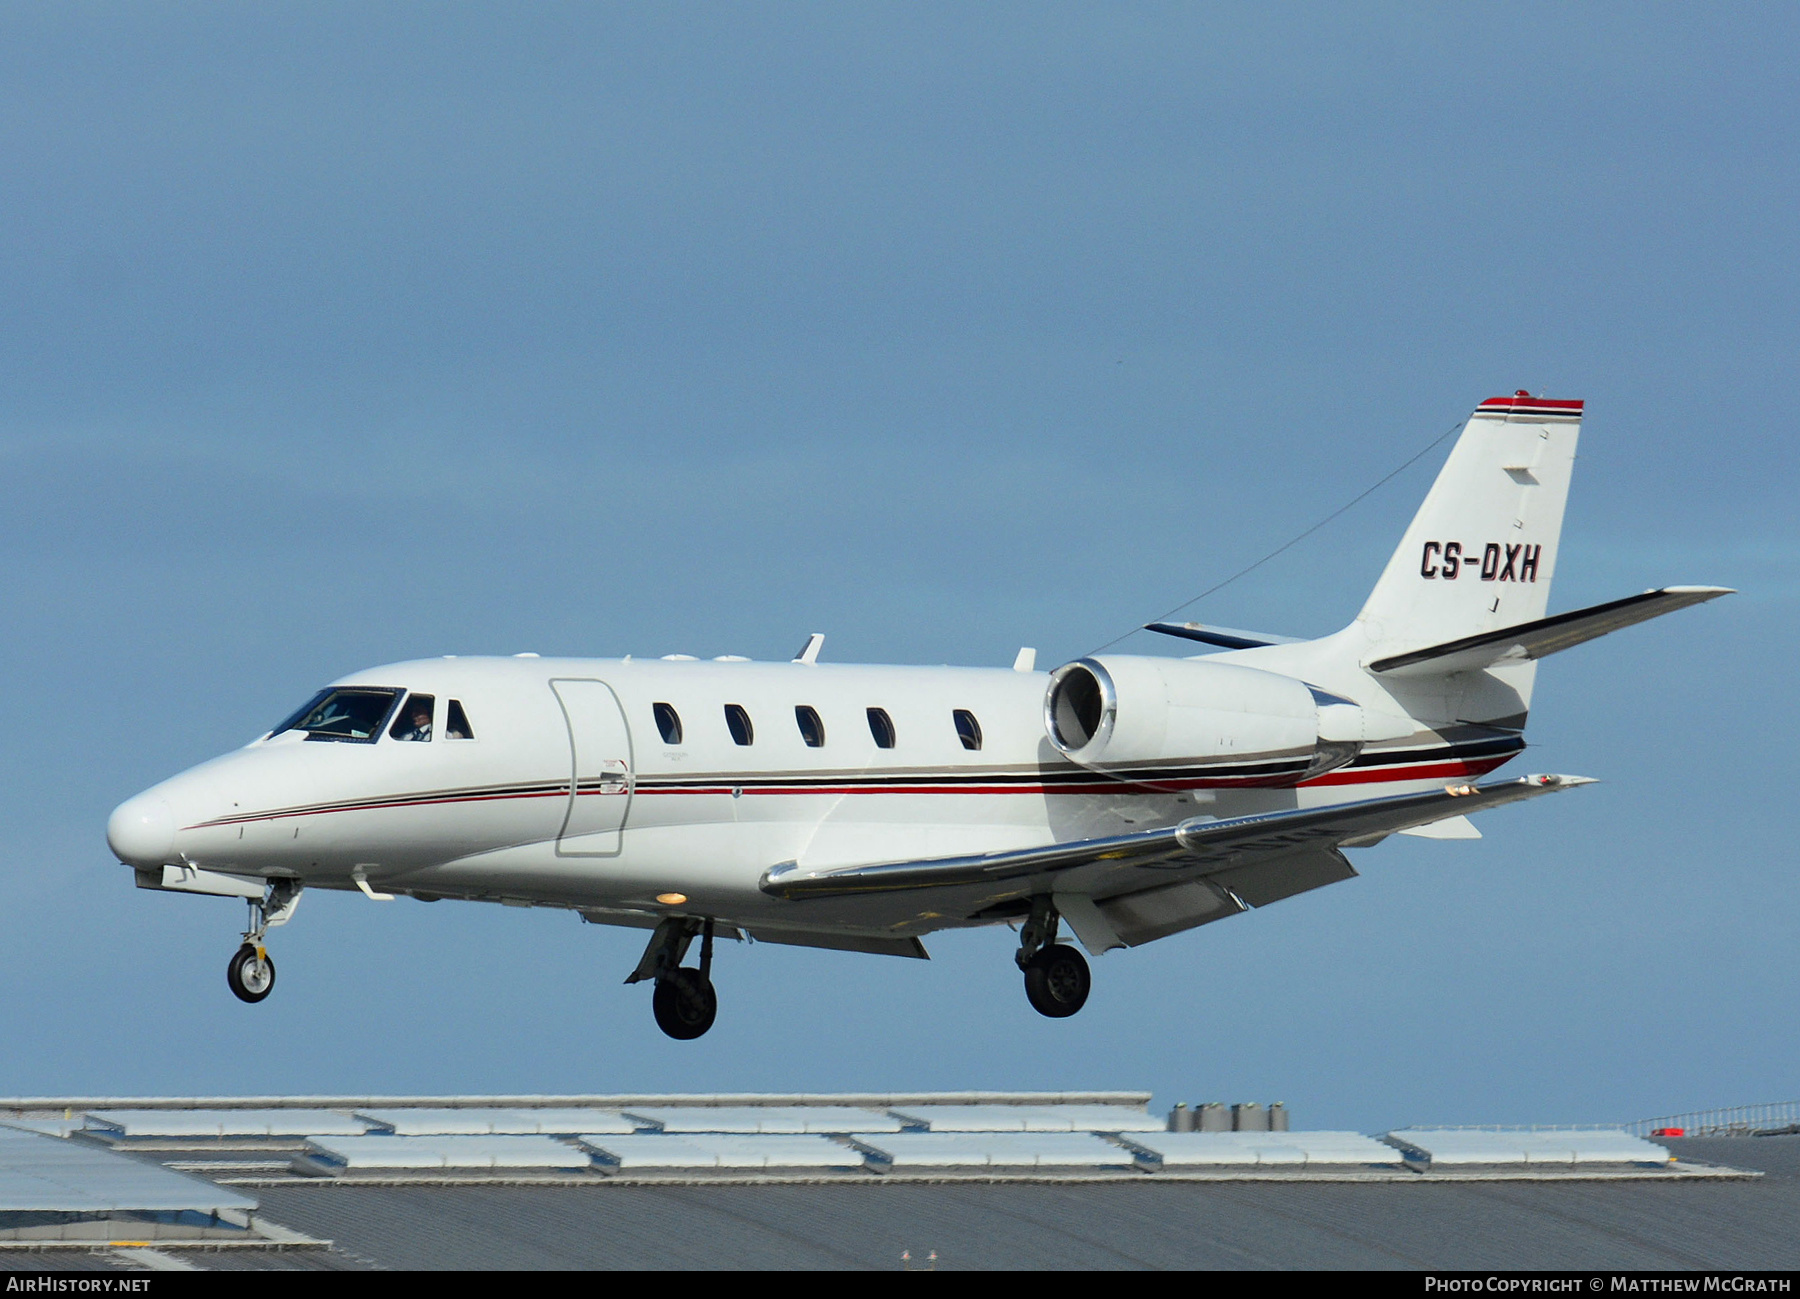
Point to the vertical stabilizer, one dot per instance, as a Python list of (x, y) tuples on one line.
[(1481, 551)]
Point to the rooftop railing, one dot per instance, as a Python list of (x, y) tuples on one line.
[(1737, 1121)]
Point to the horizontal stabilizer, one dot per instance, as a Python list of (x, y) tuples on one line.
[(1192, 849), (1533, 640), (1223, 637)]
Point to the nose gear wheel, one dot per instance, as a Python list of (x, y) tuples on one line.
[(251, 976)]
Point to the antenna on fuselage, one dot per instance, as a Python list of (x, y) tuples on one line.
[(809, 652)]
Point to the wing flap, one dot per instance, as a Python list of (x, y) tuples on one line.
[(840, 942), (1147, 858), (1133, 919), (1143, 917), (1264, 882), (1534, 640)]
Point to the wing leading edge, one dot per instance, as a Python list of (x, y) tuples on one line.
[(1126, 864)]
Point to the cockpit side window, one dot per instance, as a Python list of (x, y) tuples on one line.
[(353, 714), (456, 722), (413, 721)]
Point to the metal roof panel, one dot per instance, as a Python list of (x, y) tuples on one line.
[(448, 1151), (49, 1174), (1552, 1146), (996, 1149), (212, 1124), (476, 1121), (1030, 1118), (657, 1150), (766, 1118), (1253, 1149)]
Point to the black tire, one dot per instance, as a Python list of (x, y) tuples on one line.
[(1057, 981), (685, 1005), (251, 980)]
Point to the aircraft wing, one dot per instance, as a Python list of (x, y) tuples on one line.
[(1122, 864), (1533, 640)]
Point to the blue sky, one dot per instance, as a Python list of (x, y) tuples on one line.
[(337, 335)]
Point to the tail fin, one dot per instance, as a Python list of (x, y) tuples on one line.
[(1481, 551), (1452, 632)]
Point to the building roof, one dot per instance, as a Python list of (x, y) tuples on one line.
[(45, 1174), (1072, 1225), (1147, 1213)]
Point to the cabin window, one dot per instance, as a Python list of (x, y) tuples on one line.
[(881, 726), (812, 730), (456, 722), (668, 721), (352, 714), (739, 722), (968, 730), (413, 721)]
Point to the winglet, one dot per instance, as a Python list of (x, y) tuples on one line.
[(809, 652)]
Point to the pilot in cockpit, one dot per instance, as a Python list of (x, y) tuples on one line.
[(414, 722)]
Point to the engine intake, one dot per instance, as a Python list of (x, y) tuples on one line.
[(1159, 718)]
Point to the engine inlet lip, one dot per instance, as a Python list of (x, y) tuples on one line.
[(1109, 709)]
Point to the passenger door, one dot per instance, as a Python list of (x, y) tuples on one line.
[(600, 769)]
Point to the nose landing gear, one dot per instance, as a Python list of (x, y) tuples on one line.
[(251, 974), (1057, 979), (251, 971), (684, 1002)]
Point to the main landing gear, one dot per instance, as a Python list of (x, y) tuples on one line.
[(684, 1001), (251, 971), (1057, 979)]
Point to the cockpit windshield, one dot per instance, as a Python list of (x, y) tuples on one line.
[(353, 713)]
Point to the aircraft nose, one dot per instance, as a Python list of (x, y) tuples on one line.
[(141, 831)]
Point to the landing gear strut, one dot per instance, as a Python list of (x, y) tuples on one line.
[(684, 1002), (1057, 979), (251, 971)]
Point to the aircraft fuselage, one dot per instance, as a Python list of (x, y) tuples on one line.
[(492, 817)]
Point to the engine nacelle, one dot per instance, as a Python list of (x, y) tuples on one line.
[(1155, 718)]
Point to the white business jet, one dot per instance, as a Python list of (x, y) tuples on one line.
[(860, 808)]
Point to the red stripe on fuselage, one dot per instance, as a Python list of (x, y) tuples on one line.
[(1345, 776), (424, 800), (1423, 771)]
